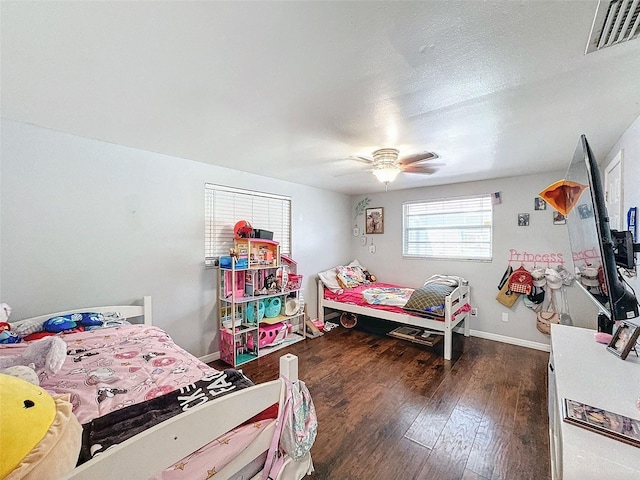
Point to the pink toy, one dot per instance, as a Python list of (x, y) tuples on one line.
[(602, 337), (270, 335)]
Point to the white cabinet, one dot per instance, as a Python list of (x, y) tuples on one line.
[(581, 369), (259, 300)]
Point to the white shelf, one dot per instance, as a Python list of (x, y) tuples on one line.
[(290, 340), (257, 297), (237, 307)]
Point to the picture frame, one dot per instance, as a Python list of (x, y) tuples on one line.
[(374, 218), (539, 203), (559, 219), (523, 219), (604, 422), (624, 340)]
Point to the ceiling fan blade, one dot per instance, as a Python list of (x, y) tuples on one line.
[(354, 172), (418, 157), (361, 159), (424, 170)]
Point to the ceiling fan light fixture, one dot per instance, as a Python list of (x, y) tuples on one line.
[(387, 173)]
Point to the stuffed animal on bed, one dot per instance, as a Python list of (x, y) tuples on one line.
[(39, 435), (47, 354)]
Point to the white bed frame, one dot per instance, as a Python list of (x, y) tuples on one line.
[(453, 302), (153, 450)]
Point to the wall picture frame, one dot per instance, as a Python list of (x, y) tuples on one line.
[(523, 219), (624, 340), (559, 219), (539, 203), (374, 220)]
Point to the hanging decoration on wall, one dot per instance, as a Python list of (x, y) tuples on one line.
[(539, 204), (360, 206), (496, 198), (550, 258), (523, 219), (375, 220), (559, 219)]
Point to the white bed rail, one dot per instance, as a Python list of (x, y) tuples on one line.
[(126, 312), (153, 450)]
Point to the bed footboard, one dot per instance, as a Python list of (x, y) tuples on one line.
[(150, 452)]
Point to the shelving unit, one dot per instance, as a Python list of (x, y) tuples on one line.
[(258, 295)]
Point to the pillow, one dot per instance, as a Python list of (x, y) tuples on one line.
[(72, 320), (350, 276), (330, 280), (26, 327), (429, 299), (59, 324), (356, 263)]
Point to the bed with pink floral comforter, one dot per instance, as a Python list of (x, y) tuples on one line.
[(108, 371)]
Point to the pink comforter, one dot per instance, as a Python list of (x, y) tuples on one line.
[(111, 368), (354, 296)]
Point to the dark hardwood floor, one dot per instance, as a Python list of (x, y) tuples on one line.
[(388, 409)]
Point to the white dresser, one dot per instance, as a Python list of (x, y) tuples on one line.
[(581, 369)]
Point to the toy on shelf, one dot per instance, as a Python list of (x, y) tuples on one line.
[(270, 335)]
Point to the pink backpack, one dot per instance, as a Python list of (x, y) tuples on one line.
[(295, 433)]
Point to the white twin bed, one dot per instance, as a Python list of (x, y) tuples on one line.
[(140, 365), (455, 308)]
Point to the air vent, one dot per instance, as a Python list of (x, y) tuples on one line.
[(616, 21)]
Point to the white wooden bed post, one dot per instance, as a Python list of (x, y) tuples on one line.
[(289, 367), (320, 299), (146, 310)]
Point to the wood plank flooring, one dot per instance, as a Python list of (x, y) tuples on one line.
[(388, 409)]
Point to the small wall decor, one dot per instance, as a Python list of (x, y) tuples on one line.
[(375, 220), (559, 219), (361, 205), (539, 204), (550, 258), (523, 219), (496, 198), (585, 211)]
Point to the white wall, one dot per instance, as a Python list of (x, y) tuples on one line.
[(541, 236), (88, 223), (629, 143)]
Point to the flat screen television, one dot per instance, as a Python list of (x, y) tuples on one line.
[(593, 248)]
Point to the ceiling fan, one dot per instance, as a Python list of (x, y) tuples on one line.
[(386, 164)]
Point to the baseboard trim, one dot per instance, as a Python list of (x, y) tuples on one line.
[(210, 357), (511, 340)]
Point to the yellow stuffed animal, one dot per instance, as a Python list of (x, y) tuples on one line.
[(39, 435)]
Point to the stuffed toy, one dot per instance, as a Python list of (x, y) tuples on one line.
[(39, 435), (5, 312), (24, 372), (46, 354)]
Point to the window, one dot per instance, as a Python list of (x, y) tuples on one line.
[(452, 228), (224, 206)]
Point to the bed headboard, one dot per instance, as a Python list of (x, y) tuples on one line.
[(132, 313)]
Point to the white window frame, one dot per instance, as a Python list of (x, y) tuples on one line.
[(224, 206), (449, 228)]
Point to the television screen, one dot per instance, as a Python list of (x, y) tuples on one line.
[(593, 250)]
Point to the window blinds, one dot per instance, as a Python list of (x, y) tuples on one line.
[(224, 206), (453, 228)]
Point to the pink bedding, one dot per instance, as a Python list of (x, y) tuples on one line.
[(354, 297), (112, 368)]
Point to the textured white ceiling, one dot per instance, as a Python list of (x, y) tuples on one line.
[(291, 89)]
